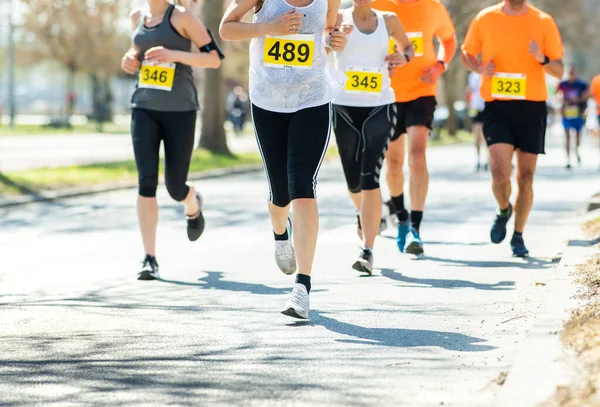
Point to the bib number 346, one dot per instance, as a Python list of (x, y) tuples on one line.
[(293, 51), (158, 77)]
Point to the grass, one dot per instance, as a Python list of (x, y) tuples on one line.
[(446, 139), (52, 179), (582, 334), (36, 130)]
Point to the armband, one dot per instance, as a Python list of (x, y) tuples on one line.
[(212, 46)]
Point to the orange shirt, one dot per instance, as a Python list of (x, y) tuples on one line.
[(422, 20), (595, 91), (505, 39)]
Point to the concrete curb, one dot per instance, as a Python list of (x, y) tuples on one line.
[(542, 363), (117, 186)]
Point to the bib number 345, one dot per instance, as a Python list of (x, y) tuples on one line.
[(293, 51)]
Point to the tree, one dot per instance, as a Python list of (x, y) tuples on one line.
[(212, 136), (81, 35)]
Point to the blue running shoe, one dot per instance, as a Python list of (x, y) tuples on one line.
[(517, 244), (498, 233), (401, 239), (415, 244)]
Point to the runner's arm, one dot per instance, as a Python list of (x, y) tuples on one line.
[(471, 63), (333, 37), (447, 49), (555, 68), (396, 30)]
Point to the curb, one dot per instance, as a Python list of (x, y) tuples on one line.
[(118, 186), (542, 363)]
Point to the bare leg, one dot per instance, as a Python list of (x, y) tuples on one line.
[(577, 144), (477, 129), (370, 216), (568, 145), (356, 199), (417, 162), (526, 164), (395, 163), (279, 217), (147, 210), (306, 230), (501, 168)]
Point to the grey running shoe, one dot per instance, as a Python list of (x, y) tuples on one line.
[(298, 305), (364, 263), (285, 256)]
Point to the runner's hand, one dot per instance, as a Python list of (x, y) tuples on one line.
[(337, 39), (536, 51), (489, 69), (160, 55), (432, 74), (395, 60), (130, 62), (285, 24)]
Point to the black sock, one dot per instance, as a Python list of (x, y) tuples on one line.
[(517, 234), (401, 211), (305, 280), (358, 220), (415, 219), (283, 236)]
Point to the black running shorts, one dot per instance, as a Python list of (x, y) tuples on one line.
[(520, 123), (418, 112)]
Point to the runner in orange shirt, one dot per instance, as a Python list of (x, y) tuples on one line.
[(517, 45), (415, 86), (595, 92)]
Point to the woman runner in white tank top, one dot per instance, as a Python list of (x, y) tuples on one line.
[(291, 88), (365, 113)]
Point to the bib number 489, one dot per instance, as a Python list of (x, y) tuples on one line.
[(292, 51)]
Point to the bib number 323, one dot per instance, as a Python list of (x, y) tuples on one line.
[(364, 81), (509, 86), (290, 51), (158, 77)]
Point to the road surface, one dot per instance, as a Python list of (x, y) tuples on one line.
[(76, 327)]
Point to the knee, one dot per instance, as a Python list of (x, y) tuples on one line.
[(147, 186), (280, 201), (177, 191), (394, 165), (417, 161), (525, 179)]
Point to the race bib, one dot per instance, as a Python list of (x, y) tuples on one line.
[(364, 81), (391, 47), (509, 86), (157, 76), (571, 112), (290, 51), (417, 41)]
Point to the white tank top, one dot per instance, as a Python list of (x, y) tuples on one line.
[(363, 65), (302, 77)]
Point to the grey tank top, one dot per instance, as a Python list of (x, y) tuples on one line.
[(182, 96)]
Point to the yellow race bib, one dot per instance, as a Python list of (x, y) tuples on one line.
[(417, 41), (509, 86), (290, 51), (571, 112), (392, 46), (157, 76), (364, 80)]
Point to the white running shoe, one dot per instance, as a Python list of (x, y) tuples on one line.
[(285, 256), (298, 305)]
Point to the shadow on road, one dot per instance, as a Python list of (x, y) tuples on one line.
[(23, 189), (402, 338), (214, 281), (450, 284), (529, 263)]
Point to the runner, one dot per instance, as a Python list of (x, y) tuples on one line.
[(415, 86), (164, 107), (575, 94), (291, 89), (365, 112), (595, 91), (518, 44), (476, 108)]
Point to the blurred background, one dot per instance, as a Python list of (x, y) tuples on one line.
[(60, 71)]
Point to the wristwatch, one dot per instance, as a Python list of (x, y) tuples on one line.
[(407, 57), (444, 64), (546, 60)]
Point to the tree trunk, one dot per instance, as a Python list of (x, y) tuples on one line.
[(212, 136), (70, 99), (450, 84)]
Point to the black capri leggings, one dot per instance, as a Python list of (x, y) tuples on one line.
[(292, 146), (363, 135), (176, 129)]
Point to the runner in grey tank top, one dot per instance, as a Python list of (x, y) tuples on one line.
[(164, 109), (291, 87)]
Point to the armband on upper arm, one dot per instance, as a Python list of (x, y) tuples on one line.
[(212, 46)]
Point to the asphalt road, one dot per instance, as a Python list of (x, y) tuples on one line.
[(77, 328)]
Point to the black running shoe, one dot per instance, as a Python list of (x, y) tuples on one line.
[(364, 263), (195, 224), (517, 244), (498, 232), (149, 269)]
